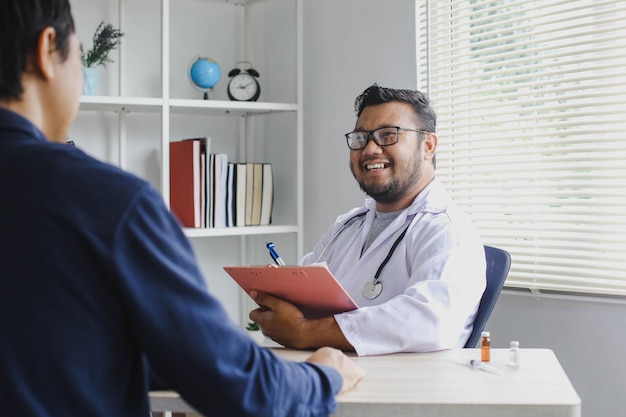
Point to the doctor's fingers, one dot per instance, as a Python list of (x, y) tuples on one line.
[(266, 300), (256, 315), (284, 325), (275, 310)]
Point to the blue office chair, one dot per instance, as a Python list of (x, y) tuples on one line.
[(498, 265)]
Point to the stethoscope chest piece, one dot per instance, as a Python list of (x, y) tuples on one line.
[(372, 289)]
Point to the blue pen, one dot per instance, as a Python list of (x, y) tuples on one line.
[(275, 256)]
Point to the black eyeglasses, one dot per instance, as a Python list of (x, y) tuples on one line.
[(383, 136)]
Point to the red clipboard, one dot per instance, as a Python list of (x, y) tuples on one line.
[(313, 289)]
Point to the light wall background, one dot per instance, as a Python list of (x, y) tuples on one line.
[(350, 44)]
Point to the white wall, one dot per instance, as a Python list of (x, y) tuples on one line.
[(350, 44), (587, 334)]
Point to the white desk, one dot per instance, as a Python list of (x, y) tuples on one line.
[(437, 385)]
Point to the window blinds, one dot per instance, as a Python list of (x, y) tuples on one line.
[(531, 104)]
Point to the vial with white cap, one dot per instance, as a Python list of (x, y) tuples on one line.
[(514, 354)]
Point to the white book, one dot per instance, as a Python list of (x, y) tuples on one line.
[(249, 192), (267, 200), (257, 194), (221, 168)]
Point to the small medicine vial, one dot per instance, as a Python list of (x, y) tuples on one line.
[(485, 347), (514, 353)]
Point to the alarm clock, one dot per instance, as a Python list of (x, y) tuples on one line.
[(243, 84)]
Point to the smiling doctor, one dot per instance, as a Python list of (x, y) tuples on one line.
[(410, 258)]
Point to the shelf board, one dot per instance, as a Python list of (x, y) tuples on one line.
[(220, 107), (182, 106), (118, 104), (240, 231), (237, 2)]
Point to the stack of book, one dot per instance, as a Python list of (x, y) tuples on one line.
[(208, 191)]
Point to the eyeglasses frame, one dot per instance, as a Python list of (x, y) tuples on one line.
[(370, 133)]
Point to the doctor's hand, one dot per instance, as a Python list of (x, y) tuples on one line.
[(284, 323), (280, 320)]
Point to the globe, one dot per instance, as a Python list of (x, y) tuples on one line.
[(204, 73)]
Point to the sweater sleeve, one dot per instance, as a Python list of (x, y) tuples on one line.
[(188, 338)]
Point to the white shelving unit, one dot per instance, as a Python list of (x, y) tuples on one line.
[(146, 101)]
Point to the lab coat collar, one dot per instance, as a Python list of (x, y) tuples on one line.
[(432, 199)]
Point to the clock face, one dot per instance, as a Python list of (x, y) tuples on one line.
[(243, 87)]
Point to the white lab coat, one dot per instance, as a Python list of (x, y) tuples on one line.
[(432, 284)]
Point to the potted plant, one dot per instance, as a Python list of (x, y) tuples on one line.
[(105, 39), (255, 332)]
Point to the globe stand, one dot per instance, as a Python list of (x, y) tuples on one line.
[(205, 95), (204, 91)]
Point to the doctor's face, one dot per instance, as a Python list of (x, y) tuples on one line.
[(393, 175)]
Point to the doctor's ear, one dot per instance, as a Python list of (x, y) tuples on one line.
[(429, 145)]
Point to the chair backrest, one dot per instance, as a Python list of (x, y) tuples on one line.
[(498, 265)]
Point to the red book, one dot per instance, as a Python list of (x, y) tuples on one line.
[(186, 182)]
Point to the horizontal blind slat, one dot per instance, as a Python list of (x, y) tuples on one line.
[(531, 98)]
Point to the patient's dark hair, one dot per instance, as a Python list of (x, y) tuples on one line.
[(21, 22)]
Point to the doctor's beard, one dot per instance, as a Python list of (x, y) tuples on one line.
[(397, 187)]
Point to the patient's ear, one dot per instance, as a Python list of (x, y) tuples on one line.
[(44, 55)]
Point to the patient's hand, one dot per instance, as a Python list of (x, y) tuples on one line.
[(350, 372)]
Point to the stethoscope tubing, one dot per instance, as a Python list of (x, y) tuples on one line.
[(343, 227), (385, 261), (390, 253)]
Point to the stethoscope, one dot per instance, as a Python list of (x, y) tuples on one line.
[(373, 288)]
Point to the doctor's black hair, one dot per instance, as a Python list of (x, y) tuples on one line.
[(375, 94), (21, 22)]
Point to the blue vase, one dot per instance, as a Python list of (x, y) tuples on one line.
[(90, 80)]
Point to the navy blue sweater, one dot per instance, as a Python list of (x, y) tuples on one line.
[(96, 276)]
